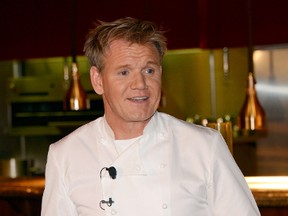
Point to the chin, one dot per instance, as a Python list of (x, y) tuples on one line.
[(141, 117)]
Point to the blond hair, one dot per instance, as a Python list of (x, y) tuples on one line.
[(129, 29)]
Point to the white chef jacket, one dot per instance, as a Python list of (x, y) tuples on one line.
[(175, 169)]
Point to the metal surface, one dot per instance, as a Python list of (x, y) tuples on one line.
[(14, 167), (35, 103)]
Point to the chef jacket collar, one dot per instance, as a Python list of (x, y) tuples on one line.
[(150, 127), (108, 129)]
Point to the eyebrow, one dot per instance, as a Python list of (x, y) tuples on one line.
[(153, 63), (147, 63)]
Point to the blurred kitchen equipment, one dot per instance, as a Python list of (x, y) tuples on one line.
[(225, 128), (76, 97), (13, 167), (251, 116)]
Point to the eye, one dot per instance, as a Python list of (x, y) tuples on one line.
[(123, 73), (149, 71)]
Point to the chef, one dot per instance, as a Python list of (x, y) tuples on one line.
[(135, 160)]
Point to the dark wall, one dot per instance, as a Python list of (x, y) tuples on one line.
[(37, 28), (227, 21)]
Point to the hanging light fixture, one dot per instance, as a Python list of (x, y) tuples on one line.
[(76, 97), (252, 115)]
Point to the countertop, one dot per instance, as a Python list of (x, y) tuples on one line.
[(22, 187), (268, 191)]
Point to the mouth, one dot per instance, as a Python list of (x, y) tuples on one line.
[(138, 99)]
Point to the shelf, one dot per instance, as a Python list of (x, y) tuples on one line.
[(33, 131), (53, 128), (57, 114)]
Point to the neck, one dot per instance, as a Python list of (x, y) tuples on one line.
[(126, 130)]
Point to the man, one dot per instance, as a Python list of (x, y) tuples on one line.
[(135, 161)]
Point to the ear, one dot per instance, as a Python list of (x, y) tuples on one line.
[(96, 80)]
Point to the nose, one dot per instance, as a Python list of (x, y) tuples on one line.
[(139, 81)]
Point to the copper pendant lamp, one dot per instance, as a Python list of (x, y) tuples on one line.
[(252, 115), (76, 97)]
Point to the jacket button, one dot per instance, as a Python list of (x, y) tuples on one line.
[(113, 212), (137, 167), (162, 165), (162, 135), (164, 206)]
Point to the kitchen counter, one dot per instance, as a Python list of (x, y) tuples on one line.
[(22, 187), (269, 191), (21, 196)]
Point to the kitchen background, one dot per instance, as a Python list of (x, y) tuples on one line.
[(195, 83), (205, 69)]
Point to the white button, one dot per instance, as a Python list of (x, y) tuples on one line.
[(164, 206), (113, 212), (163, 165), (162, 135), (137, 167)]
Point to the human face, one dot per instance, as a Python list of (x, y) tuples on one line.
[(130, 82)]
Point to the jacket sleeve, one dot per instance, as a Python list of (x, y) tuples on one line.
[(55, 201), (228, 191)]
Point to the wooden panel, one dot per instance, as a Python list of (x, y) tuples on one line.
[(20, 207), (274, 211)]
